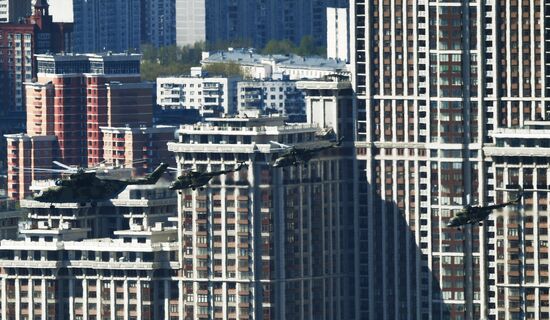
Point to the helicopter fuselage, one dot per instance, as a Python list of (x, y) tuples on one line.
[(98, 190), (186, 182), (83, 188), (472, 215)]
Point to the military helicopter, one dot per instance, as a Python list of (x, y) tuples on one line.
[(198, 179), (83, 186), (294, 156), (474, 214)]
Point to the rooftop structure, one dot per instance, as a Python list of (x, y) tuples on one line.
[(329, 102), (109, 63)]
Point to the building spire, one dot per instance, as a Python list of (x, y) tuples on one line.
[(41, 7)]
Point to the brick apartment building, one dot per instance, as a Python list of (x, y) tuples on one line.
[(72, 97), (18, 43)]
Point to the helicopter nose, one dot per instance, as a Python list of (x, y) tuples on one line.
[(172, 186)]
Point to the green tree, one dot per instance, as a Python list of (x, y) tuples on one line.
[(279, 47), (307, 46), (225, 69)]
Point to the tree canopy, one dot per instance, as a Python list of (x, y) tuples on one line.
[(306, 48), (174, 60), (170, 60)]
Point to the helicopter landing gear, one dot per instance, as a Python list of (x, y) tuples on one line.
[(83, 204), (180, 192), (52, 206), (481, 224), (93, 204), (201, 189), (193, 188), (459, 229)]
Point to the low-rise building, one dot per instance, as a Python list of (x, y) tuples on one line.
[(261, 66), (272, 96), (212, 96)]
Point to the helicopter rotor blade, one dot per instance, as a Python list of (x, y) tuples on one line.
[(176, 169), (62, 165), (281, 145), (42, 170)]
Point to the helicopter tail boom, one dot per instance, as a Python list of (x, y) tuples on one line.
[(153, 177)]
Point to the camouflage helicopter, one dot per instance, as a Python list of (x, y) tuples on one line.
[(83, 186), (198, 179), (294, 156), (476, 214)]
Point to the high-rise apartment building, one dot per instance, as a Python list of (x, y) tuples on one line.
[(10, 214), (18, 43), (76, 94), (254, 21), (13, 10), (452, 110), (139, 147), (517, 115), (27, 151), (338, 33), (272, 96), (264, 243), (419, 143), (158, 22), (104, 25)]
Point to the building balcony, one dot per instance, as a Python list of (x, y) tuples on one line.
[(33, 264)]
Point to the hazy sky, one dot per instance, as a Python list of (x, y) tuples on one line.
[(61, 10)]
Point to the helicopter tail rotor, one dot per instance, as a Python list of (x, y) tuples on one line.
[(517, 200)]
